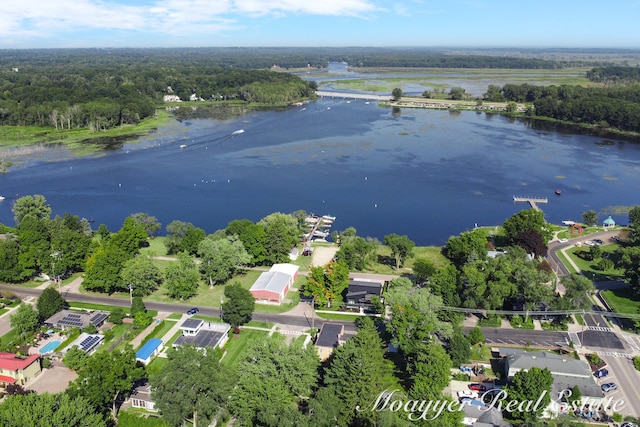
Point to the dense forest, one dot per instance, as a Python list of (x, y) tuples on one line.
[(615, 105), (88, 91)]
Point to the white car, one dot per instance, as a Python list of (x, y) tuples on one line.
[(563, 240), (589, 243)]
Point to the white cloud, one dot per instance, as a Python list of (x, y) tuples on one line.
[(33, 19)]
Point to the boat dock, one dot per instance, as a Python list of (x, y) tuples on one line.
[(318, 227), (533, 201)]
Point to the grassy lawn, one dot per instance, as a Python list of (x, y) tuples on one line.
[(156, 247), (174, 316), (387, 265), (173, 338), (207, 297), (90, 306), (118, 331), (156, 365), (622, 300), (3, 311), (480, 353), (237, 344), (587, 267)]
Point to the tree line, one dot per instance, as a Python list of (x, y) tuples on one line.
[(615, 106), (81, 94)]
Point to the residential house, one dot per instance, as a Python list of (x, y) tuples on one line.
[(360, 291), (149, 350), (272, 286), (483, 416), (18, 370), (567, 373), (141, 398), (76, 319), (331, 336), (203, 334)]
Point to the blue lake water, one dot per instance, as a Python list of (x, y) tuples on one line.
[(424, 173)]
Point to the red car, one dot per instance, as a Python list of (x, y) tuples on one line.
[(477, 387)]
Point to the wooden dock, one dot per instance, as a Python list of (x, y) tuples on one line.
[(533, 201)]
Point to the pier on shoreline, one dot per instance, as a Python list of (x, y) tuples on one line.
[(533, 201)]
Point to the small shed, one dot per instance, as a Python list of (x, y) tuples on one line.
[(609, 222), (149, 350)]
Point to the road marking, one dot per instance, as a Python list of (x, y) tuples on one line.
[(614, 354), (599, 328), (631, 339)]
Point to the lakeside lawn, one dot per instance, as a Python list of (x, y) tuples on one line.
[(622, 300)]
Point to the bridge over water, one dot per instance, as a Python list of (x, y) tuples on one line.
[(351, 95)]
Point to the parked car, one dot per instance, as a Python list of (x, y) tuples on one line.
[(598, 241), (628, 425), (589, 243), (193, 310), (471, 394), (477, 387), (609, 387), (601, 373), (471, 402), (563, 240)]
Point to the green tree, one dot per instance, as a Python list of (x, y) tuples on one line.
[(590, 218), (137, 306), (457, 93), (429, 367), (281, 235), (238, 306), (357, 252), (525, 220), (203, 384), (142, 274), (25, 319), (182, 277), (423, 269), (35, 206), (221, 258), (276, 378), (401, 248), (141, 320), (149, 223), (10, 268), (176, 232), (530, 385), (459, 349), (48, 410), (34, 239), (396, 94), (326, 283), (469, 246), (475, 336), (49, 303), (74, 358), (357, 374), (414, 317), (252, 237), (106, 378), (117, 315)]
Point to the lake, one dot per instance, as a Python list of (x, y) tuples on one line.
[(425, 173)]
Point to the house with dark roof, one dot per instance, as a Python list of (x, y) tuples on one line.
[(18, 370), (76, 319), (141, 398), (272, 286), (483, 416), (203, 334), (87, 342), (360, 291), (330, 337), (567, 373)]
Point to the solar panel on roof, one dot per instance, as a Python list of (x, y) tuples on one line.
[(98, 318)]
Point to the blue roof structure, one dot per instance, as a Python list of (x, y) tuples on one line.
[(609, 222), (148, 349)]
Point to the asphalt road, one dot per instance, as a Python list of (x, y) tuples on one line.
[(623, 373)]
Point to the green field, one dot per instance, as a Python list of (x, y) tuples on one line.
[(622, 300)]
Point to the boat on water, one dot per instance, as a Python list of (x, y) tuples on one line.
[(558, 192), (237, 132), (183, 145), (2, 197)]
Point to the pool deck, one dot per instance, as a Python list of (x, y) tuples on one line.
[(36, 349)]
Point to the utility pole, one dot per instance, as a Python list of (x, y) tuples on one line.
[(131, 293)]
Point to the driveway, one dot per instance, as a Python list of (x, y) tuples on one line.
[(53, 380)]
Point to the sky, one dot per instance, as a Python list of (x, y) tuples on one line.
[(333, 23)]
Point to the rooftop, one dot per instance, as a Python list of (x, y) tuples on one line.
[(560, 365), (148, 348), (272, 281), (12, 362), (191, 323), (329, 334)]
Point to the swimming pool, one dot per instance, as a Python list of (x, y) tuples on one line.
[(50, 346)]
